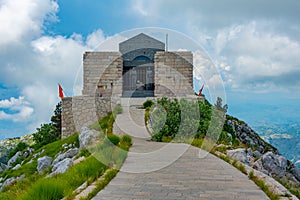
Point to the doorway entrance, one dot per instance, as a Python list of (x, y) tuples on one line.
[(138, 81)]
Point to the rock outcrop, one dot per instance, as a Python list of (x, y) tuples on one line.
[(62, 166), (9, 181), (68, 154), (13, 159), (239, 155), (249, 137), (86, 137), (262, 156), (43, 163)]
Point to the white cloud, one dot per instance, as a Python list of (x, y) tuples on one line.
[(252, 56), (94, 39), (7, 103), (139, 7), (255, 45), (34, 63), (19, 109), (24, 19)]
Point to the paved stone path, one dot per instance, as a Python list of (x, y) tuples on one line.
[(172, 171)]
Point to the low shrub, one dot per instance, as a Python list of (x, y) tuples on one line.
[(114, 139), (126, 139), (148, 104)]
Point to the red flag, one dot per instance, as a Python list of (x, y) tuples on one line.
[(60, 91), (200, 91)]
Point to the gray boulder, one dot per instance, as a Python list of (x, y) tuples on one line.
[(250, 152), (257, 154), (43, 163), (39, 153), (231, 123), (272, 164), (86, 137), (16, 167), (239, 155), (62, 166), (13, 159), (10, 181), (69, 154), (296, 172), (26, 154)]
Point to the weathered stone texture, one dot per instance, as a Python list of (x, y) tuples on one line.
[(80, 111), (102, 74), (68, 126), (173, 74)]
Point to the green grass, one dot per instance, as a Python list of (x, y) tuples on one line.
[(226, 159), (54, 148), (107, 155), (221, 149), (240, 167), (126, 139), (294, 190), (102, 183), (18, 189), (50, 150), (84, 152), (118, 109), (62, 185), (261, 184), (46, 189), (36, 186), (27, 169)]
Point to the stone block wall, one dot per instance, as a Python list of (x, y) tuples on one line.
[(68, 126), (102, 74), (173, 74), (80, 111)]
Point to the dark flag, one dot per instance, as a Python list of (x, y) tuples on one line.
[(200, 91)]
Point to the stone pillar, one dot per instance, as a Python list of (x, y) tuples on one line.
[(67, 126)]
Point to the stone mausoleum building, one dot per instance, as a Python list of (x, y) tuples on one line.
[(141, 68)]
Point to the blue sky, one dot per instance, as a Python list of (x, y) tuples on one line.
[(254, 44)]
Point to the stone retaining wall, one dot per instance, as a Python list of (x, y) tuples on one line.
[(80, 111)]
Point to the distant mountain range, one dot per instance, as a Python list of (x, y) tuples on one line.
[(276, 121), (285, 137)]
